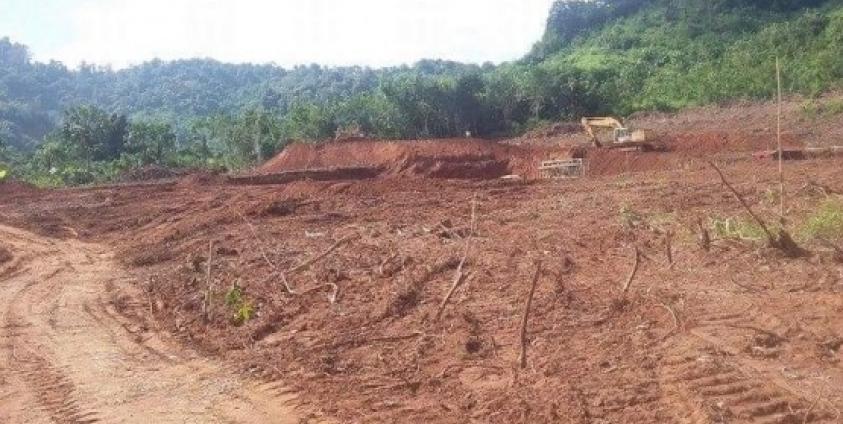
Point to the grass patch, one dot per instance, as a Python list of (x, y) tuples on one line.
[(658, 221), (737, 228), (630, 218), (814, 109), (826, 222)]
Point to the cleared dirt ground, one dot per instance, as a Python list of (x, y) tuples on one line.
[(70, 355), (346, 278)]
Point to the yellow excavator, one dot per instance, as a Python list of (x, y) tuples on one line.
[(622, 137)]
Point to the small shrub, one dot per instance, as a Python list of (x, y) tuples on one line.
[(243, 309), (825, 222), (244, 313), (234, 296)]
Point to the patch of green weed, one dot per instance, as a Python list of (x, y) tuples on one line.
[(243, 310), (826, 222), (814, 109), (736, 228)]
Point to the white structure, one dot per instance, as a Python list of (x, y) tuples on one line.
[(563, 168)]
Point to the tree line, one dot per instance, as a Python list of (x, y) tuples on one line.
[(596, 57)]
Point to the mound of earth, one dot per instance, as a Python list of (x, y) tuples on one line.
[(448, 158)]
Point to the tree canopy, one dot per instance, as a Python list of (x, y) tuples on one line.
[(596, 57)]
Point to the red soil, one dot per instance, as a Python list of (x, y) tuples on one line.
[(736, 316)]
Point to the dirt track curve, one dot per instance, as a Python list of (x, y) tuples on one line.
[(68, 356)]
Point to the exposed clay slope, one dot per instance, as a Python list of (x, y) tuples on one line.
[(451, 158)]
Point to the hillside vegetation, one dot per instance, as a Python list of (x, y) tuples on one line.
[(597, 57)]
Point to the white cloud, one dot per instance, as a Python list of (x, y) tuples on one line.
[(288, 32)]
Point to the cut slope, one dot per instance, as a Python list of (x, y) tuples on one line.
[(447, 158)]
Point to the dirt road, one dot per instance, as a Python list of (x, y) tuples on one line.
[(67, 356)]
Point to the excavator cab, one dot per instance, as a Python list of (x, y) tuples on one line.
[(622, 137)]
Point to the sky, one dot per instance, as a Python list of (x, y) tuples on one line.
[(373, 33)]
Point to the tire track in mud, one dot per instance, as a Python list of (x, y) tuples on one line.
[(68, 356), (715, 378), (54, 391)]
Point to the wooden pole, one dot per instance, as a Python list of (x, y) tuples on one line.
[(779, 141)]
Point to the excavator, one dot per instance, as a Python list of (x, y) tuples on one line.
[(622, 137)]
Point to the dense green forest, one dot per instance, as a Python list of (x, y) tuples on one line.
[(60, 126)]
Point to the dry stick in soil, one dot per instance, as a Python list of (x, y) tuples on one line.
[(784, 242), (522, 357), (459, 275), (704, 236), (635, 265), (770, 238), (668, 247), (332, 298), (210, 284)]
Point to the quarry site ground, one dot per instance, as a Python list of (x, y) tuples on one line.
[(333, 299)]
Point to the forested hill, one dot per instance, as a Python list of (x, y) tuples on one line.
[(609, 56)]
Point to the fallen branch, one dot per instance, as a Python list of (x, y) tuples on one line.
[(672, 313), (332, 297), (360, 341), (768, 333), (395, 338), (265, 256), (770, 238), (306, 264), (458, 280), (827, 190), (670, 310), (522, 358), (632, 273), (747, 288), (784, 242), (459, 275), (806, 417)]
